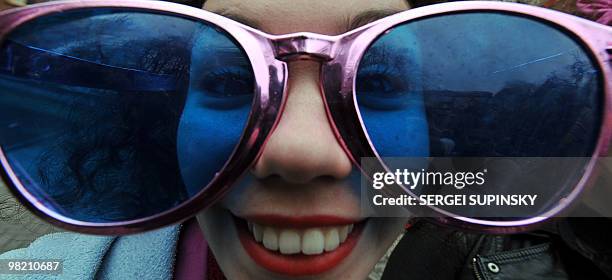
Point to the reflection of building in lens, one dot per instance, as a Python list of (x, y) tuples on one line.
[(557, 118), (89, 125)]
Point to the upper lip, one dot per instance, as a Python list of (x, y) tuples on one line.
[(299, 221)]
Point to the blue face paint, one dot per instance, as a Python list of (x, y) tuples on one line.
[(216, 108), (390, 95)]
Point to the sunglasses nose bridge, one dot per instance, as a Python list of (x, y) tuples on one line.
[(304, 46)]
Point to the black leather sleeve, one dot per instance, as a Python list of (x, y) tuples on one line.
[(576, 249)]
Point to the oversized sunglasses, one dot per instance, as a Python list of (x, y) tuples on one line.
[(123, 116)]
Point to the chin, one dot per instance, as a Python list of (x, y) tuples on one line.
[(261, 246)]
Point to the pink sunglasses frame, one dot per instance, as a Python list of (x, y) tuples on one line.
[(339, 56)]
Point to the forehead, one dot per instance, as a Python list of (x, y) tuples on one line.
[(319, 16)]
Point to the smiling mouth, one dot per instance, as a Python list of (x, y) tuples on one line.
[(310, 241), (298, 246)]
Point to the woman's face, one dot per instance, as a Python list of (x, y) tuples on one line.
[(296, 212)]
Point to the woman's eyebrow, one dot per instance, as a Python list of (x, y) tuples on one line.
[(360, 19), (368, 16)]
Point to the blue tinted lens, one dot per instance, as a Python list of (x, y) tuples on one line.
[(473, 86), (479, 84), (109, 115)]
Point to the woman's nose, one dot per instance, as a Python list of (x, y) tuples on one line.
[(303, 146)]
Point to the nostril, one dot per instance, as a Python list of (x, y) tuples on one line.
[(290, 167), (297, 177), (301, 169)]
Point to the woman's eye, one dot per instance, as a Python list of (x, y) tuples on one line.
[(383, 89), (381, 77), (228, 83), (380, 84)]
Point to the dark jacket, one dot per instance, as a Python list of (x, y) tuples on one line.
[(570, 248)]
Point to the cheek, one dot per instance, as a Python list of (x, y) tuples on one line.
[(382, 234), (221, 237), (388, 229), (205, 140)]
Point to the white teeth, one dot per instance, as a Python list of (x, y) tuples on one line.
[(257, 232), (332, 240), (343, 233), (270, 239), (289, 242), (310, 241), (313, 242)]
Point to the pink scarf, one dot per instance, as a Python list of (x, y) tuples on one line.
[(194, 261)]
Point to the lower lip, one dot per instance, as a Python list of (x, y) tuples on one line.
[(296, 264)]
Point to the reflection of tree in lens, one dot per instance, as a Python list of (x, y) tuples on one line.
[(118, 161), (552, 119), (112, 152), (113, 156)]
